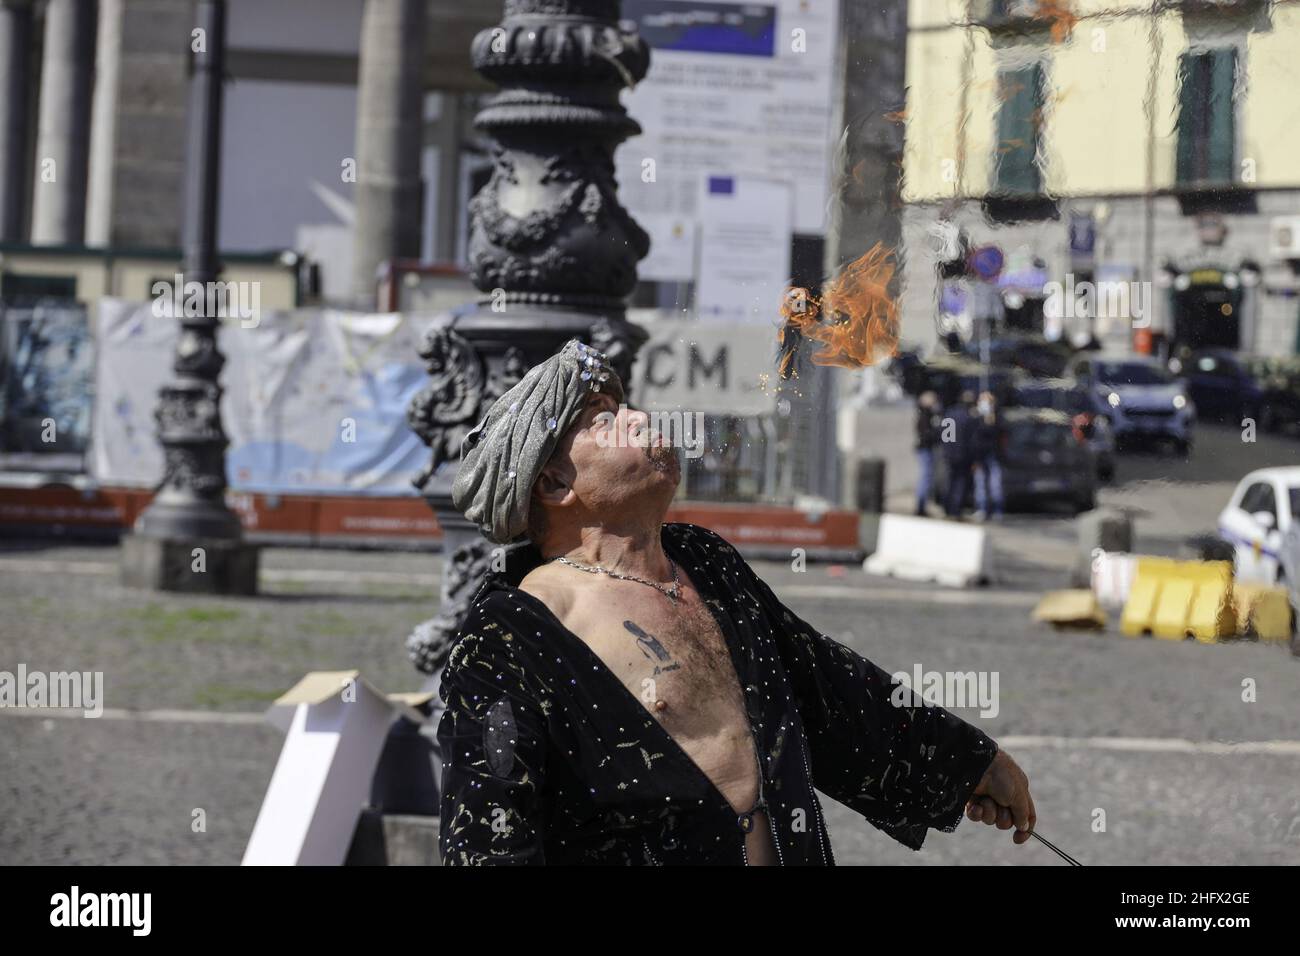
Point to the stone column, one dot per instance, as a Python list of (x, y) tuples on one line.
[(103, 127), (63, 134), (447, 137), (390, 127), (551, 248), (139, 117), (15, 42)]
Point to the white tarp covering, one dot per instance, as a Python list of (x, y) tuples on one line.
[(315, 400)]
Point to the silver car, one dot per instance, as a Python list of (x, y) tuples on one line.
[(1140, 397)]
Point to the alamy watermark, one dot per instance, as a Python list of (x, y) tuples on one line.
[(130, 910), (236, 300), (57, 690), (947, 689), (1129, 301), (683, 430)]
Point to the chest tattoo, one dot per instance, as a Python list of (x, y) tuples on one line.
[(652, 648)]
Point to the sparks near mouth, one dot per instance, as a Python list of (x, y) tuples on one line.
[(855, 319)]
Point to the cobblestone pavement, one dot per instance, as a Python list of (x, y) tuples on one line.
[(124, 790), (1132, 729)]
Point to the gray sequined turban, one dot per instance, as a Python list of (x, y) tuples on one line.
[(502, 457)]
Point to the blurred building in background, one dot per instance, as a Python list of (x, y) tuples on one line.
[(1150, 149), (96, 137), (349, 159)]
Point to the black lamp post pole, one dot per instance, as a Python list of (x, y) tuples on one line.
[(203, 147), (187, 539)]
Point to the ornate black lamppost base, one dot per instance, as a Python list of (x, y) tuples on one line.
[(191, 544), (194, 565)]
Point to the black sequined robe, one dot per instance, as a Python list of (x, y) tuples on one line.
[(549, 758)]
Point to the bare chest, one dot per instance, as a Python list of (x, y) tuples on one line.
[(662, 652), (675, 661)]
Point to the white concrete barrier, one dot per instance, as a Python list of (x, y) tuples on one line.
[(335, 725), (1112, 577), (926, 549)]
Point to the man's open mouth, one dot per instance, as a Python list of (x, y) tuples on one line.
[(662, 456)]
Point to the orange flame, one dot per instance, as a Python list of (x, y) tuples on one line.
[(855, 320), (1060, 15)]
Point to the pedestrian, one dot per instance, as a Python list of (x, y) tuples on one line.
[(927, 437), (989, 502), (957, 435)]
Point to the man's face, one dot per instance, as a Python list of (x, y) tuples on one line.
[(610, 456)]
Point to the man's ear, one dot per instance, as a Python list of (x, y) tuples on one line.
[(552, 487)]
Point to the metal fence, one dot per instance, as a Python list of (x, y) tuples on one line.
[(776, 458)]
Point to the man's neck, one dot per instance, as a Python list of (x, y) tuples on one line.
[(630, 550)]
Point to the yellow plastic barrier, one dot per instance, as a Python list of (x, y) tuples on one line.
[(1263, 611), (1174, 609), (1073, 608), (1140, 608), (1213, 614), (1175, 600)]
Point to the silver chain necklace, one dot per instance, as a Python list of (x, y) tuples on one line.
[(673, 591)]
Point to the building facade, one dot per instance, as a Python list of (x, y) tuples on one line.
[(1135, 167), (316, 160)]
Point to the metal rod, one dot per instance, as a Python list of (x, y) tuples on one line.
[(1061, 853)]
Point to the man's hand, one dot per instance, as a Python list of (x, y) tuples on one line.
[(1002, 798)]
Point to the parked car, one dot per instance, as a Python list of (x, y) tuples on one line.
[(1032, 354), (1259, 514), (1068, 396), (1044, 461), (1141, 399), (1226, 386)]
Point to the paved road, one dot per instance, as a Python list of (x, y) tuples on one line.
[(124, 790)]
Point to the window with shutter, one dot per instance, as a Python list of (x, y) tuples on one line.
[(1206, 128), (1221, 127), (1016, 170)]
